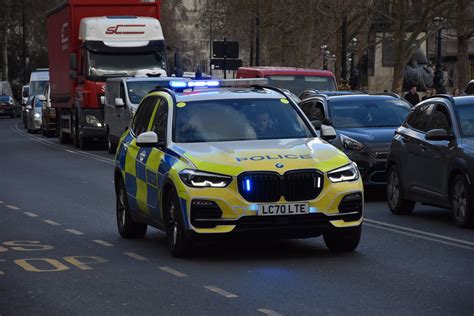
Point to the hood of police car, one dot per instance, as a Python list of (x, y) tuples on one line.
[(233, 158)]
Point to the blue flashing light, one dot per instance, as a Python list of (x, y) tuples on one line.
[(194, 84), (248, 185)]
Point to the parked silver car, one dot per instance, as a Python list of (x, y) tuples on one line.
[(34, 112)]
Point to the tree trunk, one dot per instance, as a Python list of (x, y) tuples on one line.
[(462, 43), (399, 38), (4, 40)]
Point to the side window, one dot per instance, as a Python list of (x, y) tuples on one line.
[(440, 119), (314, 110), (160, 123), (143, 116), (419, 119)]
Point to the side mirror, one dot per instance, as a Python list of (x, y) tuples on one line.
[(42, 98), (147, 139), (28, 107), (102, 99), (439, 134), (73, 61), (327, 132), (73, 75), (119, 103), (316, 124)]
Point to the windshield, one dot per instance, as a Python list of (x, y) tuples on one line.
[(138, 89), (465, 116), (37, 87), (350, 113), (297, 84), (236, 120), (124, 64)]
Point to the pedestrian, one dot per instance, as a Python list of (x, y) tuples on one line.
[(429, 93), (456, 92), (412, 96)]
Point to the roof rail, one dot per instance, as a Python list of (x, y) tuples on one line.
[(391, 94)]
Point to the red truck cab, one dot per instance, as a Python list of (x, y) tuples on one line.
[(295, 80)]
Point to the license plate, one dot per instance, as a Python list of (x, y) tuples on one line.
[(283, 209)]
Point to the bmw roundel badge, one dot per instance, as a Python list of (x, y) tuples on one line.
[(279, 165)]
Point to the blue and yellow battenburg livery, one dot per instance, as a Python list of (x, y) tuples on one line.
[(288, 187)]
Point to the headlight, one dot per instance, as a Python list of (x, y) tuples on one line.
[(37, 115), (92, 120), (201, 179), (349, 172), (350, 143)]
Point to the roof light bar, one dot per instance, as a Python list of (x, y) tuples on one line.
[(217, 83)]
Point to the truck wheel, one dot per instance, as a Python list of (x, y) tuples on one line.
[(179, 245), (395, 195), (463, 210), (126, 226), (343, 239)]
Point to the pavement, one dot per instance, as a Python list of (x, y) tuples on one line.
[(60, 253)]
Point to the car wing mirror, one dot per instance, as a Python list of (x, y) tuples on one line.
[(119, 103), (28, 107), (327, 132), (102, 99), (147, 139), (438, 135)]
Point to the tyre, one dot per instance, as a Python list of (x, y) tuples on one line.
[(111, 147), (463, 210), (126, 226), (343, 239), (75, 133), (179, 245), (395, 195)]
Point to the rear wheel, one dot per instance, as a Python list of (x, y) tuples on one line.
[(343, 239), (395, 195), (463, 210), (179, 245), (126, 226)]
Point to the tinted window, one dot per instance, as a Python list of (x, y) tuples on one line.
[(143, 116), (298, 84), (367, 112), (160, 122), (240, 119), (465, 116), (419, 119), (314, 110), (440, 119)]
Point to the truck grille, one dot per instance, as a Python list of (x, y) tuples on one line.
[(300, 185)]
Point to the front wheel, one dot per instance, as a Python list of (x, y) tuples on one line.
[(179, 245), (126, 226), (463, 210), (395, 195), (343, 239)]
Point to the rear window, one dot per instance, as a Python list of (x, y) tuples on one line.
[(297, 84)]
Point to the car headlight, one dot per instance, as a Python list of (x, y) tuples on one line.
[(37, 115), (350, 143), (348, 172), (201, 179), (92, 120)]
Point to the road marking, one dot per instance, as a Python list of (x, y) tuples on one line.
[(269, 312), (75, 232), (173, 272), (13, 207), (30, 214), (103, 243), (135, 256), (1, 202), (219, 291), (465, 242), (420, 236), (50, 222)]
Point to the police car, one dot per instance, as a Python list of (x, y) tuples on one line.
[(232, 157)]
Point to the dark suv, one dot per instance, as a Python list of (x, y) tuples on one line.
[(365, 125), (431, 158)]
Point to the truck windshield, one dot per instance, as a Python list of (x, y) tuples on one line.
[(37, 87), (298, 84), (103, 65), (238, 120)]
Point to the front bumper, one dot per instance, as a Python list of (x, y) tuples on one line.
[(95, 133), (239, 216), (371, 166)]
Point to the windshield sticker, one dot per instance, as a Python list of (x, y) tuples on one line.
[(181, 104), (284, 101)]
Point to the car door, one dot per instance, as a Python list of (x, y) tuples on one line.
[(434, 154), (135, 170), (412, 156)]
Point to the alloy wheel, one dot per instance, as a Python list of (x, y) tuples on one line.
[(459, 201), (393, 188)]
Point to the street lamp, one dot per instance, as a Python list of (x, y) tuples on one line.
[(353, 47), (438, 75)]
